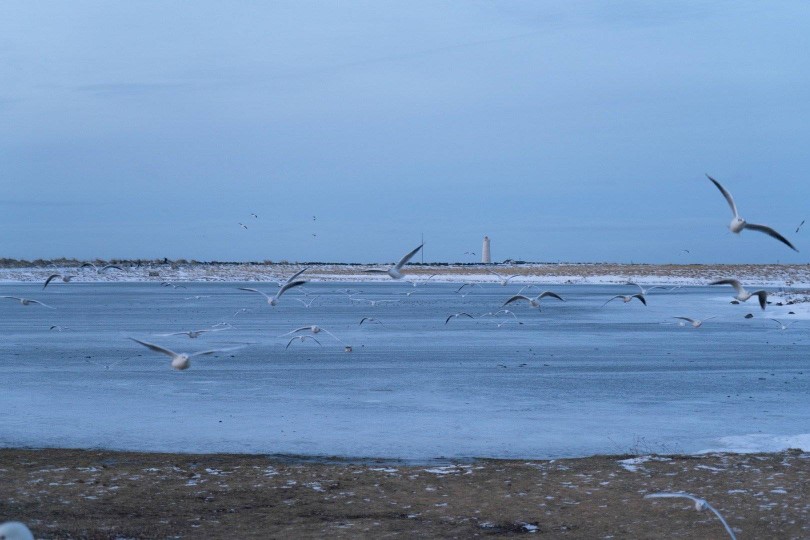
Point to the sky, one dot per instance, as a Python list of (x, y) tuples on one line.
[(576, 131)]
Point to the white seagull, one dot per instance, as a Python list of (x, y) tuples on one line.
[(373, 303), (314, 329), (64, 278), (504, 279), (645, 291), (626, 299), (534, 302), (197, 333), (180, 361), (738, 224), (742, 294), (103, 268), (289, 284), (307, 304), (696, 323), (783, 326), (28, 301), (394, 271), (14, 530), (457, 315), (301, 339), (700, 505)]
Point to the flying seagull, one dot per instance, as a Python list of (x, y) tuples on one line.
[(197, 333), (28, 301), (65, 279), (394, 271), (301, 339), (180, 361), (800, 226), (533, 302), (626, 299), (103, 268), (700, 505), (742, 294), (289, 284), (371, 320), (457, 315), (314, 329), (738, 224), (783, 326), (696, 323), (504, 279)]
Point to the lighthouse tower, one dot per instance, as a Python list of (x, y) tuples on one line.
[(485, 257)]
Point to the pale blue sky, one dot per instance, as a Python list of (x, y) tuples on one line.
[(574, 131)]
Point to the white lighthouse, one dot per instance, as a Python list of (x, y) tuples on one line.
[(485, 256)]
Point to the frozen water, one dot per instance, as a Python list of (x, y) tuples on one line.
[(575, 379)]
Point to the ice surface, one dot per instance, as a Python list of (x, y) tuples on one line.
[(575, 379)]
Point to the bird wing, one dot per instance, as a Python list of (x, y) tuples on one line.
[(404, 260), (685, 319), (612, 299), (516, 298), (777, 322), (111, 267), (253, 290), (84, 265), (726, 194), (156, 348), (772, 233), (51, 278), (763, 298), (640, 297), (13, 298), (296, 330), (213, 351), (800, 226), (289, 285), (733, 282), (549, 293), (42, 304), (494, 273), (292, 277)]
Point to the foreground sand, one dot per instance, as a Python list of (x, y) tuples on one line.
[(95, 494)]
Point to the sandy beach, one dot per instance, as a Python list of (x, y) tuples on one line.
[(105, 495)]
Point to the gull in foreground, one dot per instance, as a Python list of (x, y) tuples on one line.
[(504, 279), (738, 224), (289, 284), (783, 326), (301, 339), (197, 333), (180, 361), (626, 299), (103, 268), (700, 505), (64, 278), (534, 302), (314, 329), (742, 294), (696, 323), (394, 271), (28, 301), (457, 315), (14, 530)]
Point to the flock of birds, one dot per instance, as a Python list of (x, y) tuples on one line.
[(181, 360)]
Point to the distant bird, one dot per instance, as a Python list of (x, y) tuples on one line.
[(371, 320), (180, 361), (626, 299), (646, 291), (28, 301), (172, 285), (14, 530), (254, 215), (504, 279), (471, 253), (196, 333), (742, 294), (198, 297), (700, 505), (686, 251), (289, 284), (103, 268), (457, 315), (470, 285), (783, 326), (301, 339), (373, 303), (696, 323), (800, 226), (64, 278), (307, 304), (243, 225), (533, 302), (314, 218), (738, 224), (314, 329), (394, 271)]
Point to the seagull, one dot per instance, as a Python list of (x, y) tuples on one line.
[(196, 333), (533, 302), (370, 319), (800, 226), (394, 271), (180, 361), (301, 338), (28, 301), (742, 294), (254, 215), (373, 303), (700, 505), (198, 297), (738, 224), (58, 328), (504, 280), (314, 329), (289, 284), (14, 530), (243, 225), (626, 299), (783, 326), (645, 291), (457, 315), (470, 285), (172, 285), (307, 304), (696, 323), (64, 278), (103, 268)]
